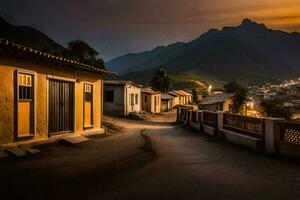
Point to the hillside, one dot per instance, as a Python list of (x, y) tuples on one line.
[(29, 37), (131, 62), (249, 53)]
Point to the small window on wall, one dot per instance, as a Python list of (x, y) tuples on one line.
[(230, 108), (25, 87), (145, 98), (131, 99), (88, 92), (136, 99), (221, 107), (109, 96)]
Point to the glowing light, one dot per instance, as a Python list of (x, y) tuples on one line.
[(209, 89)]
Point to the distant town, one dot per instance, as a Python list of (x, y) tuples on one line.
[(286, 93)]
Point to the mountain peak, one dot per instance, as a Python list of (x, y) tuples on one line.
[(248, 23), (295, 33)]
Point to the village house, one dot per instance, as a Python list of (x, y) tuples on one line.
[(176, 97), (121, 98), (185, 97), (218, 102), (151, 100), (43, 95), (167, 102)]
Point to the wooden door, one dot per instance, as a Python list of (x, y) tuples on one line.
[(25, 105), (61, 106), (88, 106)]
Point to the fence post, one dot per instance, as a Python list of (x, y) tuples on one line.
[(189, 117), (201, 120), (220, 120), (186, 118), (272, 133), (177, 114)]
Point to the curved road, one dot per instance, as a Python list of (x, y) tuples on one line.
[(178, 164)]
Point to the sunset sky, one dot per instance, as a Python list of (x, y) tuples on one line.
[(116, 27)]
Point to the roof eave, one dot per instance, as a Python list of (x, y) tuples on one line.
[(47, 56)]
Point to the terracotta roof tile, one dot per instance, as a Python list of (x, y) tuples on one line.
[(73, 63)]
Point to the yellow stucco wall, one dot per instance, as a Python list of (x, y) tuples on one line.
[(6, 105), (156, 108), (176, 101), (227, 104), (149, 105), (146, 105), (8, 65), (97, 99)]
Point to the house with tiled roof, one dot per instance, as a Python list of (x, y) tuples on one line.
[(167, 102), (43, 95), (218, 102), (185, 97), (151, 100), (121, 97)]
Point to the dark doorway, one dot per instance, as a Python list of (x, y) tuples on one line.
[(61, 107)]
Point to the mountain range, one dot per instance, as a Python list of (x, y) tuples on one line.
[(250, 53), (30, 37)]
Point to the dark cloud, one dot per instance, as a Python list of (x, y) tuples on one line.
[(115, 27)]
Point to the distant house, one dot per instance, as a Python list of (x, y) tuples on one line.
[(176, 97), (43, 95), (218, 102), (121, 98), (167, 102), (185, 97), (151, 100)]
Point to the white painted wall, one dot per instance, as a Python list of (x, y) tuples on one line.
[(135, 105)]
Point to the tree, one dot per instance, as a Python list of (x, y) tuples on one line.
[(161, 81), (83, 52), (273, 108), (240, 97), (195, 96)]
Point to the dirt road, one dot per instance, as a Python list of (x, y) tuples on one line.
[(184, 165)]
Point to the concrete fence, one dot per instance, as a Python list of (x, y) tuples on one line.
[(269, 135)]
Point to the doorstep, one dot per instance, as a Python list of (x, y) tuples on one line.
[(74, 140), (97, 132), (38, 142)]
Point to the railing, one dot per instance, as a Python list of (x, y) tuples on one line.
[(290, 132), (194, 116), (184, 114), (199, 116), (210, 118), (245, 125), (178, 115)]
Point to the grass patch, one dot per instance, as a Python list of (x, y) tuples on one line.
[(191, 79)]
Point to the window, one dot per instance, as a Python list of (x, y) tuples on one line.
[(131, 99), (221, 107), (145, 99), (109, 96), (230, 108), (88, 92), (136, 99), (25, 87), (88, 105)]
